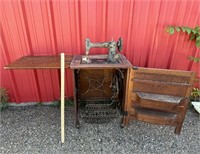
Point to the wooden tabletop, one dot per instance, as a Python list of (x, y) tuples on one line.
[(39, 62), (76, 63)]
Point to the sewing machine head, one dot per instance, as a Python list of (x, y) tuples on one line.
[(112, 46)]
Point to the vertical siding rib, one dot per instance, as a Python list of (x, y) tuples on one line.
[(51, 27)]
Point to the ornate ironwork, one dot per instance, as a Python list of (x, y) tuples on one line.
[(99, 112)]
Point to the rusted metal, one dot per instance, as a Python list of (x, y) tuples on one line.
[(99, 111), (112, 46)]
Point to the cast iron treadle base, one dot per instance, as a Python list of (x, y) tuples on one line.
[(99, 112)]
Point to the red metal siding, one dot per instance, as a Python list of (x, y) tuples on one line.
[(41, 27)]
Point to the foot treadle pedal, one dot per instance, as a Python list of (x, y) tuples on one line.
[(99, 113)]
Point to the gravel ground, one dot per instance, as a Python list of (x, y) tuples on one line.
[(36, 129)]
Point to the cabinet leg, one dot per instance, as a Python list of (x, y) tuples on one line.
[(124, 121)]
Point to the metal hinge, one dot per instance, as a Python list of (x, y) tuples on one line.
[(135, 68)]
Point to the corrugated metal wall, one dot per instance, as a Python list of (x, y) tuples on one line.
[(41, 27)]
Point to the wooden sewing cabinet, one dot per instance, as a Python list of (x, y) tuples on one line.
[(97, 83)]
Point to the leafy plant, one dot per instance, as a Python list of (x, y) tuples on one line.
[(68, 103), (194, 59), (195, 94), (194, 34), (39, 103), (4, 98)]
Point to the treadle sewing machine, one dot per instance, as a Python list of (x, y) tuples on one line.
[(113, 57), (99, 82), (105, 83)]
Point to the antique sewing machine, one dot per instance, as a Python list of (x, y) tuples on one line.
[(112, 58), (99, 82)]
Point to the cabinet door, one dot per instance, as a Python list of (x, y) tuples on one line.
[(95, 84), (156, 89)]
